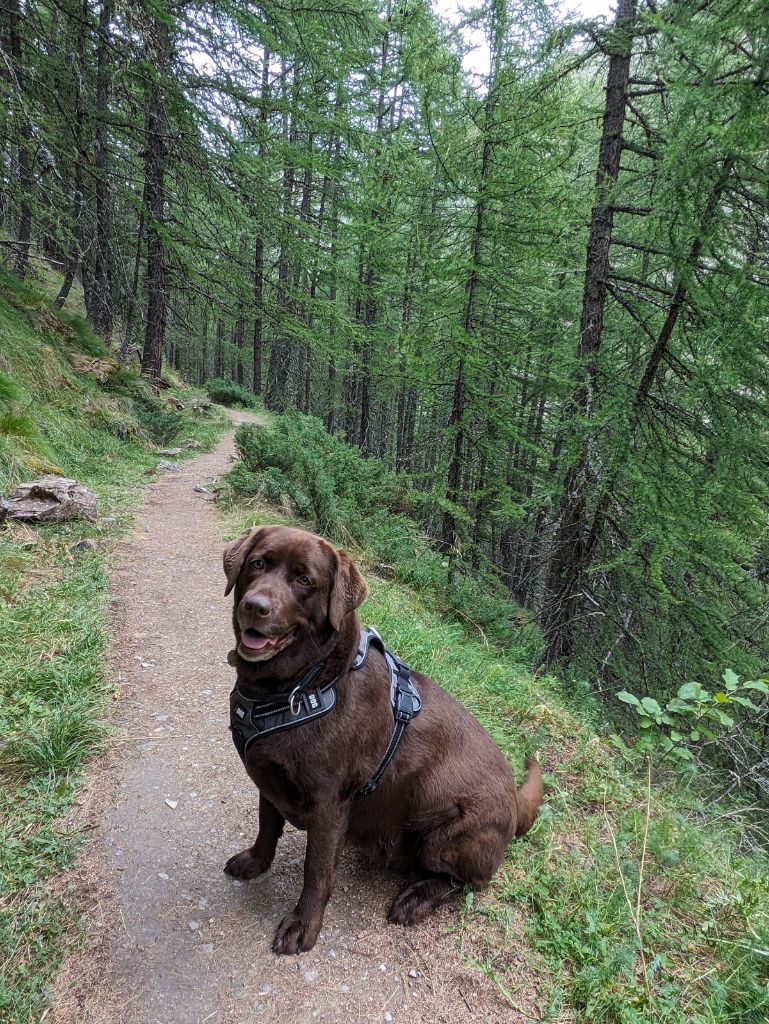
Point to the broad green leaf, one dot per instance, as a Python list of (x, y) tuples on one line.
[(690, 690), (628, 698), (746, 702), (650, 706), (731, 679)]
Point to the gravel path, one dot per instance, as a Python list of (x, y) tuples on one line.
[(171, 939)]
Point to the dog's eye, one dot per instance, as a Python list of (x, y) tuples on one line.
[(304, 581), (257, 563)]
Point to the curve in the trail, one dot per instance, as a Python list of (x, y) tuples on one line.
[(172, 940)]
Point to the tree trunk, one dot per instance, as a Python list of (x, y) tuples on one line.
[(102, 284), (14, 22), (280, 350), (256, 383), (159, 47), (568, 562), (75, 254)]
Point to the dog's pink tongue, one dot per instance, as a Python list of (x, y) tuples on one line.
[(254, 642)]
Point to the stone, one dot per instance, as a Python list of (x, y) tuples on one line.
[(85, 545), (170, 451), (164, 466), (50, 499)]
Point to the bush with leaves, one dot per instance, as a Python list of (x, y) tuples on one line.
[(227, 392), (731, 722)]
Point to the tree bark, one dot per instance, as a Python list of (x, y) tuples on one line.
[(256, 382), (280, 350), (102, 283), (75, 255), (159, 50), (568, 562), (15, 23)]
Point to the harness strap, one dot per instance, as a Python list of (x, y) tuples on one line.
[(252, 718)]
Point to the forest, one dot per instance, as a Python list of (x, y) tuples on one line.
[(486, 287), (537, 291)]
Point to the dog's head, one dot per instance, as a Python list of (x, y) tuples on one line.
[(290, 587)]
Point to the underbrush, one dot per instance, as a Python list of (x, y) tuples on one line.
[(632, 900), (56, 416), (296, 465), (227, 392)]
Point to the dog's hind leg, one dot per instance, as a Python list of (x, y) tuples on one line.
[(417, 901), (451, 856), (254, 863)]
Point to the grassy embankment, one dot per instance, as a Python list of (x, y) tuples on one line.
[(53, 620), (631, 900)]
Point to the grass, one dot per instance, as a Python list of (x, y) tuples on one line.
[(53, 613), (627, 902)]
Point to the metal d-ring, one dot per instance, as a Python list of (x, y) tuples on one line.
[(295, 701)]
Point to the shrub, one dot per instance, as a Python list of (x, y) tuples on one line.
[(227, 392), (160, 424), (313, 475)]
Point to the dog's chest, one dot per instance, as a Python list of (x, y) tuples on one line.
[(282, 787)]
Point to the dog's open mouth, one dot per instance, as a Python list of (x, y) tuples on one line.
[(254, 646)]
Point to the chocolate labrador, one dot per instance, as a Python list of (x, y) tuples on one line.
[(445, 808)]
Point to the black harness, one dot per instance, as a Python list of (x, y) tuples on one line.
[(251, 719)]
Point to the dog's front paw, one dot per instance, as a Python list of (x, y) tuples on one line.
[(245, 866), (294, 935)]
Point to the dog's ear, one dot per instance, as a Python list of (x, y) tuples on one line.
[(235, 555), (348, 590)]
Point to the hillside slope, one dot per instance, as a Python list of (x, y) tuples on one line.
[(57, 416), (634, 900)]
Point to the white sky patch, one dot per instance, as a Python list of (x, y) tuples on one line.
[(476, 61)]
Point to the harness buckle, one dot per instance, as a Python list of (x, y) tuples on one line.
[(295, 701)]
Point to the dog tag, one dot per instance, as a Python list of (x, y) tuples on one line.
[(232, 658)]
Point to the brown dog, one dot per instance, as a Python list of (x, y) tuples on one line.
[(446, 807)]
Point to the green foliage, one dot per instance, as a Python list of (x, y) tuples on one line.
[(227, 392), (158, 422), (695, 717), (296, 464)]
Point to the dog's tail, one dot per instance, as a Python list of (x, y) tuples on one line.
[(530, 796)]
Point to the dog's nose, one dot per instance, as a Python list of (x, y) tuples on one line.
[(258, 604)]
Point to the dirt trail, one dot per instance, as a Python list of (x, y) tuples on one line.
[(172, 940)]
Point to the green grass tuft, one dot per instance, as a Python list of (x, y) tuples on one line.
[(227, 392)]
